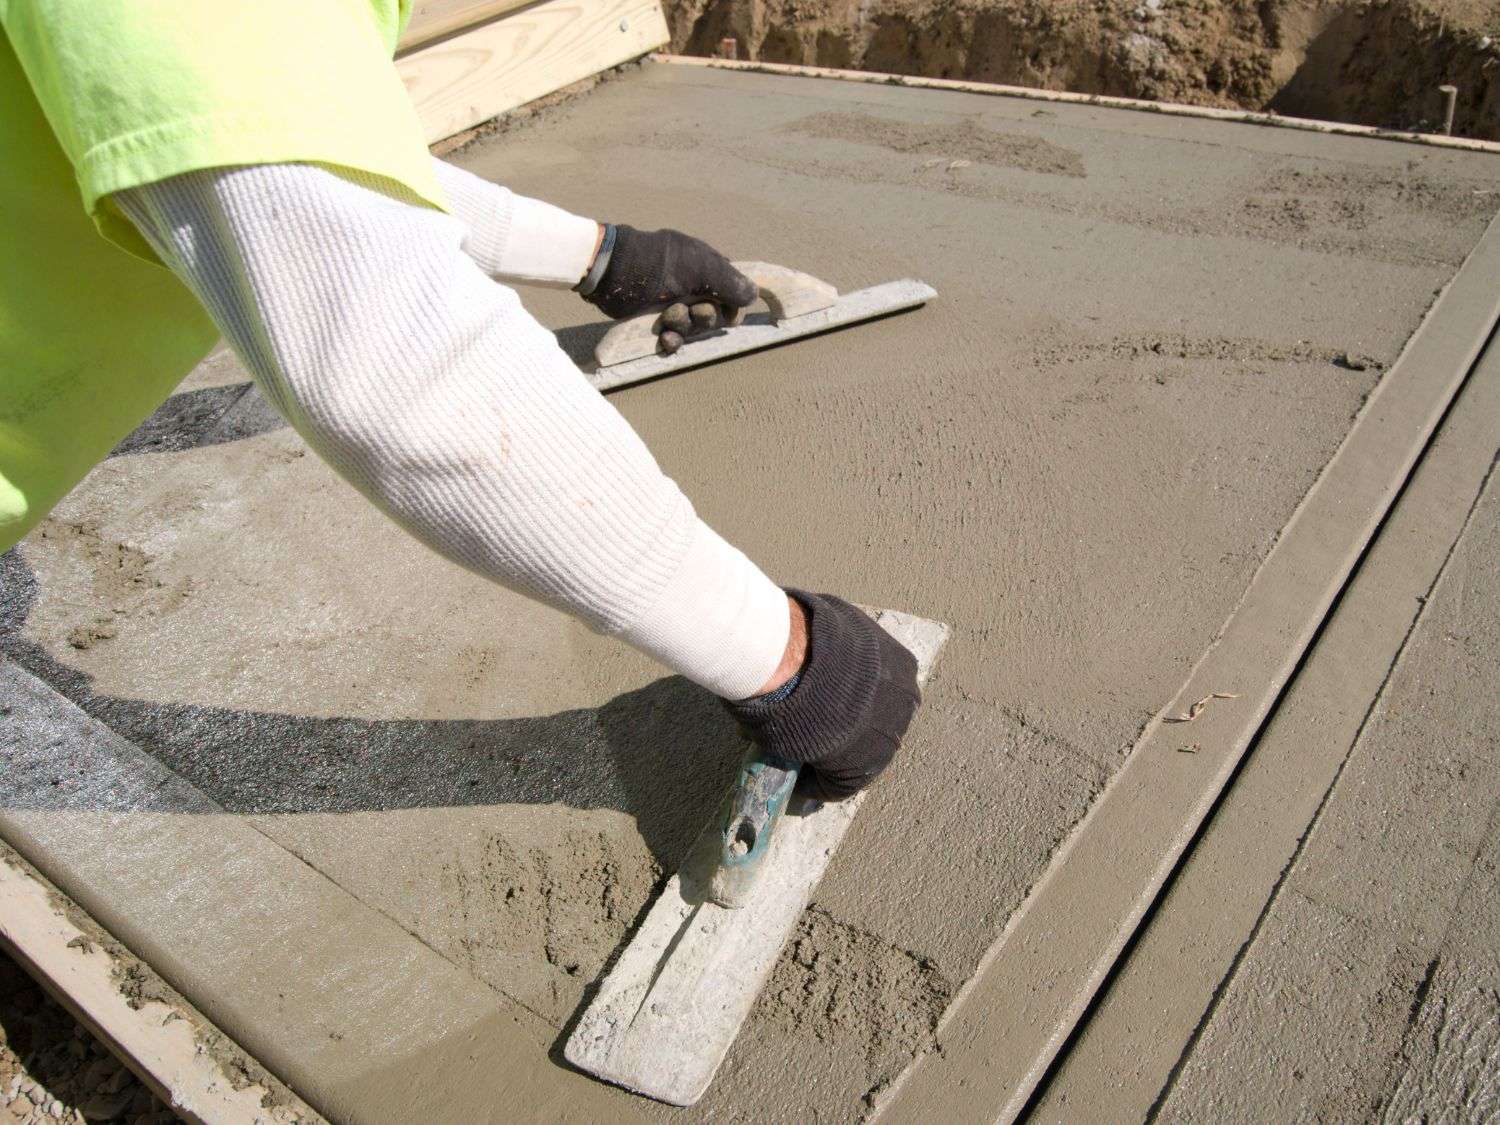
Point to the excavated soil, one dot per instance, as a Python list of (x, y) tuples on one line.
[(1371, 63)]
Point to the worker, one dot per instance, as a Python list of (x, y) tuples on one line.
[(256, 171)]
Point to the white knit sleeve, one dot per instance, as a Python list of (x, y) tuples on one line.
[(516, 238), (433, 392)]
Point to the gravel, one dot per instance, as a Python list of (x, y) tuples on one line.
[(51, 1069)]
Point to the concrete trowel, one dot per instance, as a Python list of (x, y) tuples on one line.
[(668, 1011), (797, 304)]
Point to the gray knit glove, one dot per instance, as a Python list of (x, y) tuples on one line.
[(845, 718)]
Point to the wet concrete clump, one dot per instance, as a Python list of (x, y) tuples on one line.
[(569, 907), (845, 985)]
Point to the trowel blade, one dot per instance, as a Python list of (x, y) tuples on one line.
[(666, 1014), (759, 332)]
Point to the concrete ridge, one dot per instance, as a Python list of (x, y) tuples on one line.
[(1107, 101)]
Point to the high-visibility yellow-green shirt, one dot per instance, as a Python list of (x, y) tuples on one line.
[(101, 95)]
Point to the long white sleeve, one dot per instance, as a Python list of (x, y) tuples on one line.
[(432, 391), (517, 238)]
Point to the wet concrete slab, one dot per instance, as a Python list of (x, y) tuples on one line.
[(1151, 335), (1149, 1016), (1369, 988)]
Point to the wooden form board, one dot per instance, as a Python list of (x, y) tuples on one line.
[(433, 19), (153, 1038), (519, 57)]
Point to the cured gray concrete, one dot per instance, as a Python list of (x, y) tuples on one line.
[(1151, 335)]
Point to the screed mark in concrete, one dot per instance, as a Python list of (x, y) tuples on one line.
[(965, 142), (843, 984), (1298, 196), (1176, 345)]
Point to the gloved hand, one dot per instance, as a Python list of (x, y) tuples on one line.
[(644, 270), (855, 697)]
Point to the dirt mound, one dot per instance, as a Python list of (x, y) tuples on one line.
[(1373, 63)]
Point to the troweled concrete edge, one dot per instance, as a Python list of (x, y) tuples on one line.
[(1116, 1070), (1008, 1022), (161, 1042), (348, 1009)]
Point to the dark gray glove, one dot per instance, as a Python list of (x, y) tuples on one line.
[(846, 717), (648, 269)]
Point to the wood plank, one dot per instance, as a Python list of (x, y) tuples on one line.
[(470, 78), (433, 19)]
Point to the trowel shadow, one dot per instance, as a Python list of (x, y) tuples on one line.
[(579, 341), (662, 754)]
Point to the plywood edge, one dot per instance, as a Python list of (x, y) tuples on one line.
[(170, 1046), (485, 71)]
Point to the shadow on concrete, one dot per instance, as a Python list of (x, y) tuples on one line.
[(214, 415), (662, 754), (579, 340), (207, 416)]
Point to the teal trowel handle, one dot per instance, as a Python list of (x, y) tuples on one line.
[(749, 818)]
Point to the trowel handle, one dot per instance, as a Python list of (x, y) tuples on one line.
[(787, 293), (746, 822)]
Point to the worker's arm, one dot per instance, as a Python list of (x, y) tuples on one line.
[(515, 238), (432, 391)]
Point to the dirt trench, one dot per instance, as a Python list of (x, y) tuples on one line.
[(1371, 62)]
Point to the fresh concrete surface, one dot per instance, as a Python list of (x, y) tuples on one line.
[(1146, 1022), (1371, 985), (1039, 980), (1079, 455)]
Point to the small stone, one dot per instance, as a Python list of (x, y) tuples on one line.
[(119, 1078), (56, 1108), (106, 1107), (669, 342), (22, 1105)]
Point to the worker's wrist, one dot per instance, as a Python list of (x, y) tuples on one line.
[(538, 243), (603, 251)]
